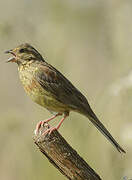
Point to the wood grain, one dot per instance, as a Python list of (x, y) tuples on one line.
[(63, 156)]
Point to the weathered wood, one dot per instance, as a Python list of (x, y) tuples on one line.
[(63, 156)]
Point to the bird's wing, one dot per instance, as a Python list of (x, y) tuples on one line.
[(59, 87), (62, 89)]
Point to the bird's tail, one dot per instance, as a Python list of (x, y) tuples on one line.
[(93, 118)]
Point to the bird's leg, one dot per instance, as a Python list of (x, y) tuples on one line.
[(53, 117), (57, 127), (41, 123)]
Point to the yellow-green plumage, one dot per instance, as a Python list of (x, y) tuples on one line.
[(37, 93), (50, 89)]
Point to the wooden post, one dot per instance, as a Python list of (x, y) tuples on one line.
[(63, 156)]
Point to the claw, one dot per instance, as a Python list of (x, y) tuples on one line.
[(41, 123), (38, 126), (49, 130)]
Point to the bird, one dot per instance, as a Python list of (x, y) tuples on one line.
[(52, 90)]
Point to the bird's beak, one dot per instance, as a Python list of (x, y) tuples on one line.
[(9, 51), (11, 59)]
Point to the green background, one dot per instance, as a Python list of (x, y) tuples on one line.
[(90, 42)]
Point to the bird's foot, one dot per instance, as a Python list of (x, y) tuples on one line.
[(50, 130), (41, 123), (38, 126)]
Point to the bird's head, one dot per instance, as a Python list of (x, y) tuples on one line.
[(23, 54)]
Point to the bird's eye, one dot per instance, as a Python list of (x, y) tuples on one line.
[(21, 50)]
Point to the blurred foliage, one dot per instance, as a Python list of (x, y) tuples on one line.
[(91, 43)]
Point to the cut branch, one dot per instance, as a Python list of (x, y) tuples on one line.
[(63, 156)]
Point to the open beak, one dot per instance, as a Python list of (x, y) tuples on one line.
[(11, 59)]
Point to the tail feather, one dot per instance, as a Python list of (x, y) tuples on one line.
[(93, 118)]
